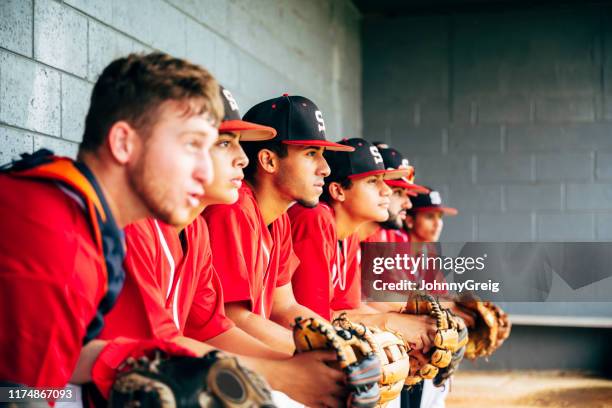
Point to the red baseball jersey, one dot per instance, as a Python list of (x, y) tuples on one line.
[(171, 287), (387, 235), (251, 258), (328, 276), (52, 270)]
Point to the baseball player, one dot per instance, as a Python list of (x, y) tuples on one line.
[(328, 277), (145, 153), (402, 189), (173, 292), (251, 239)]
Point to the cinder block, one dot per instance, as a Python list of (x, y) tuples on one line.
[(583, 137), (464, 110), (528, 138), (76, 94), (589, 196), (412, 141), (533, 197), (564, 166), (30, 95), (268, 83), (60, 37), (458, 229), (503, 109), (212, 13), (135, 18), (16, 26), (476, 139), (169, 29), (100, 9), (105, 45), (569, 109), (565, 227), (13, 142), (58, 146), (603, 170), (442, 169), (474, 199), (505, 228), (227, 64), (200, 45), (495, 168), (433, 111), (603, 227)]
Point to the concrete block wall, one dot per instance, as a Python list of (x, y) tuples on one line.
[(508, 113), (51, 53)]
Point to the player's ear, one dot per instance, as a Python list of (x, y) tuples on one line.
[(121, 141), (268, 160), (336, 191)]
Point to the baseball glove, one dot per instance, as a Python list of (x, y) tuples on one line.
[(391, 351), (355, 358), (448, 349), (492, 328), (212, 381)]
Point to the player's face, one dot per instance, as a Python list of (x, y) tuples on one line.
[(398, 204), (228, 160), (172, 163), (301, 174), (427, 226), (367, 199)]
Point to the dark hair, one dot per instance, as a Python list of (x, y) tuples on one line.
[(345, 183), (251, 149), (133, 87)]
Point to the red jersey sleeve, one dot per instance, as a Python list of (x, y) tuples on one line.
[(206, 317), (142, 289), (233, 244), (289, 261), (314, 244)]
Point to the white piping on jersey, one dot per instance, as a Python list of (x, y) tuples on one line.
[(168, 254), (266, 252), (338, 271)]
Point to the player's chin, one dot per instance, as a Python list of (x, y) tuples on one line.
[(180, 216), (309, 201), (381, 215)]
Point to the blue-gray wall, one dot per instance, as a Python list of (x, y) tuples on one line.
[(507, 113), (51, 53)]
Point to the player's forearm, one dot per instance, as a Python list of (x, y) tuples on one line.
[(87, 357), (271, 334), (237, 341), (286, 316), (198, 347)]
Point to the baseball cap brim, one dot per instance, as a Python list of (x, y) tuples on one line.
[(322, 143), (404, 183), (387, 174), (249, 131), (437, 208)]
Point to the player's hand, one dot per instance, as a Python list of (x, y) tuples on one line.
[(307, 379), (418, 330), (468, 317)]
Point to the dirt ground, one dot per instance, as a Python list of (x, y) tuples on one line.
[(529, 390)]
